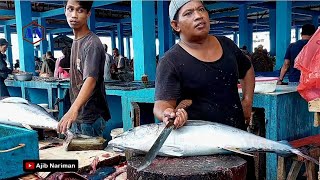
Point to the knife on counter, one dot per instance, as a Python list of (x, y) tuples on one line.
[(152, 153)]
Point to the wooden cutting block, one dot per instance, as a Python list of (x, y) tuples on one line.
[(82, 144), (189, 168)]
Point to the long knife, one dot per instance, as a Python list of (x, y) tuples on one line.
[(152, 153)]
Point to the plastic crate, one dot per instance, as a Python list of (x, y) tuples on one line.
[(11, 162)]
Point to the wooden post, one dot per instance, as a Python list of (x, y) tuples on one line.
[(281, 168), (294, 170), (314, 106)]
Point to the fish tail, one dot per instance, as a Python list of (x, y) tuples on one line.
[(299, 153)]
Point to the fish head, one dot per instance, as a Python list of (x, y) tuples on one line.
[(141, 137)]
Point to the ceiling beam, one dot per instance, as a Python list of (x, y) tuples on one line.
[(49, 2), (305, 3), (103, 24), (234, 13), (125, 20), (115, 7), (60, 30), (103, 3), (51, 13), (305, 12), (60, 11), (268, 5), (220, 5), (13, 21)]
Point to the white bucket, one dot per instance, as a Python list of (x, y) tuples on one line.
[(116, 132)]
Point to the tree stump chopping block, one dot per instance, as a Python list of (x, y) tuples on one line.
[(218, 167)]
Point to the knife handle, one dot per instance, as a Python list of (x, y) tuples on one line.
[(184, 104)]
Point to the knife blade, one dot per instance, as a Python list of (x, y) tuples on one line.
[(152, 153)]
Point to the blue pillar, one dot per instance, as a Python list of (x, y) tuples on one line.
[(128, 47), (23, 18), (36, 52), (113, 40), (143, 24), (235, 38), (243, 26), (51, 43), (92, 21), (120, 38), (7, 34), (283, 31), (315, 20), (44, 42), (297, 31), (250, 36), (163, 26), (272, 35)]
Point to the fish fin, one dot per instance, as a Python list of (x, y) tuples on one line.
[(15, 100), (285, 142), (27, 126), (171, 151), (299, 153), (237, 151)]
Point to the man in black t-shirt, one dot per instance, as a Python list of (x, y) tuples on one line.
[(89, 109), (205, 69), (202, 68)]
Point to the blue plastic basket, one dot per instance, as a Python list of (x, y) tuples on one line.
[(16, 144)]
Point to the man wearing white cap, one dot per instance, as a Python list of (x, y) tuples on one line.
[(4, 70), (203, 68)]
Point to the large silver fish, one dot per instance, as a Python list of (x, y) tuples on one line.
[(200, 138), (17, 111)]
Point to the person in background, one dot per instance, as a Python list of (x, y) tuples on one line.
[(118, 60), (37, 64), (245, 51), (292, 52), (17, 65), (205, 69), (64, 51), (43, 57), (4, 70), (49, 55), (89, 110), (131, 66), (108, 64), (64, 64), (261, 61), (48, 65)]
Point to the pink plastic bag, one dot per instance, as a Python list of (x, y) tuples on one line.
[(308, 62)]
